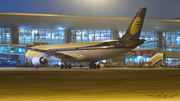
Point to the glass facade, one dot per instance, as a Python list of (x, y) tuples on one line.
[(169, 38), (136, 59), (5, 35), (57, 36), (88, 35), (9, 56), (148, 36), (50, 36), (12, 55), (12, 50)]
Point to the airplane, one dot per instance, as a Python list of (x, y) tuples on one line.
[(88, 51)]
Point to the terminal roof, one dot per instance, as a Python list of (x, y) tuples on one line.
[(47, 21)]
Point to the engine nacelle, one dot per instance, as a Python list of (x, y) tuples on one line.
[(38, 61)]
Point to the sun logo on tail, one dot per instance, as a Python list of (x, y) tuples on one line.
[(136, 26)]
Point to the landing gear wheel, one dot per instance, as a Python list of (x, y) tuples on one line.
[(69, 66), (98, 66), (94, 66), (65, 66), (81, 66), (90, 66), (62, 66)]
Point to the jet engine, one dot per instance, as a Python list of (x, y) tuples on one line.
[(38, 61)]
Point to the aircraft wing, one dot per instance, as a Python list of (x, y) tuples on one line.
[(172, 96), (154, 41), (132, 41), (48, 52), (172, 46), (1, 44), (151, 95)]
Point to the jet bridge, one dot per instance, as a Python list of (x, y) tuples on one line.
[(155, 59)]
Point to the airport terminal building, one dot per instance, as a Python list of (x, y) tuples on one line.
[(21, 28)]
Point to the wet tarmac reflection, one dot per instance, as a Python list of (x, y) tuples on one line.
[(111, 84)]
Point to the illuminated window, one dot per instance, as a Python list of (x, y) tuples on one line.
[(91, 35), (85, 34), (73, 36), (5, 35), (50, 36), (78, 36)]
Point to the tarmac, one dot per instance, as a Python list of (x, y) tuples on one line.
[(83, 84)]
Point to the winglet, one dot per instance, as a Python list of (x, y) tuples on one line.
[(172, 46), (10, 43)]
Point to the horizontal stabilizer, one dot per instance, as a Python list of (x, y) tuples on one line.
[(154, 41), (138, 49), (129, 41), (172, 46)]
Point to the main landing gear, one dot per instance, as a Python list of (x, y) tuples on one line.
[(66, 66), (94, 66)]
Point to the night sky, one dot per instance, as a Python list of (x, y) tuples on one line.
[(118, 8)]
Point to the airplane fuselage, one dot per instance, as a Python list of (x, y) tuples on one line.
[(83, 52)]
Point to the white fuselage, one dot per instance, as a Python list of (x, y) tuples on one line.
[(79, 55)]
